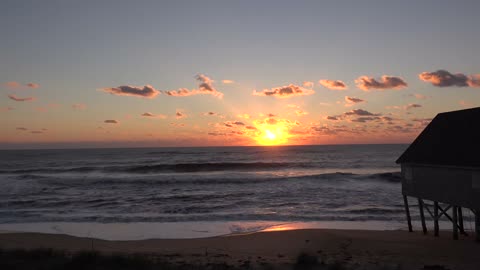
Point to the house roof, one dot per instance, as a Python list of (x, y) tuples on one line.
[(451, 139)]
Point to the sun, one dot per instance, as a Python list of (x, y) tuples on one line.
[(271, 134)]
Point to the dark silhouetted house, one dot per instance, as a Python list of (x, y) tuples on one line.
[(443, 165)]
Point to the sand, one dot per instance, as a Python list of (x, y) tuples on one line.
[(358, 249)]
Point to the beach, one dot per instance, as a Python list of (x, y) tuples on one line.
[(350, 249)]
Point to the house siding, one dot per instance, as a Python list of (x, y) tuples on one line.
[(451, 185)]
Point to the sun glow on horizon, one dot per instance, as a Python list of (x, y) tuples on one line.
[(276, 134)]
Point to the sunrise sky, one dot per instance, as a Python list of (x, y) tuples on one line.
[(201, 73)]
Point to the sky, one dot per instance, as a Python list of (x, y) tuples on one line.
[(215, 73)]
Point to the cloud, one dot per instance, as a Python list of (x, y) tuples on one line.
[(13, 97), (12, 84), (360, 112), (325, 130), (22, 128), (251, 127), (406, 107), (366, 119), (350, 101), (387, 82), (151, 115), (333, 84), (285, 91), (205, 87), (271, 121), (227, 81), (443, 78), (179, 114), (125, 90), (300, 112), (308, 84), (244, 115), (232, 124), (16, 85), (362, 115), (474, 80), (419, 96), (421, 122), (79, 106), (111, 121), (333, 118), (32, 85), (412, 106), (36, 132)]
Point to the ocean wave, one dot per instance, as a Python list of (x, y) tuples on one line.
[(387, 176), (32, 216), (211, 167), (240, 179), (169, 168)]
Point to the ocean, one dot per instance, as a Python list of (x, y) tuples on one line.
[(204, 185)]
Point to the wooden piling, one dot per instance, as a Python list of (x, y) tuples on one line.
[(422, 215), (460, 221), (455, 222), (435, 218), (407, 211)]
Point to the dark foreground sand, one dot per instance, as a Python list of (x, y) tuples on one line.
[(353, 249)]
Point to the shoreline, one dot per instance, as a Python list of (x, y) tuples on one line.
[(280, 248), (187, 230)]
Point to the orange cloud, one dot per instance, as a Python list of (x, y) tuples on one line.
[(32, 85), (204, 88), (13, 97), (16, 85), (387, 82), (443, 78), (308, 84), (125, 90), (419, 96), (227, 81), (333, 84), (285, 91), (350, 101), (151, 115), (111, 121), (245, 116), (362, 116), (233, 123), (412, 106), (406, 107), (179, 114), (300, 112)]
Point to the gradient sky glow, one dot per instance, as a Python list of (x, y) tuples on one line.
[(224, 72)]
